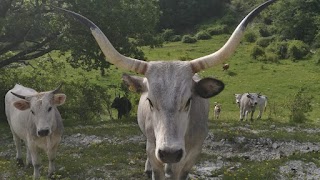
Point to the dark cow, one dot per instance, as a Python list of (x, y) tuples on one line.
[(123, 106)]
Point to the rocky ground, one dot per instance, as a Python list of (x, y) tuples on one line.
[(250, 149)]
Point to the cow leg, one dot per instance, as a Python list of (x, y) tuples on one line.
[(35, 160), (17, 142), (260, 113), (52, 153), (241, 114), (148, 168), (251, 118), (28, 158)]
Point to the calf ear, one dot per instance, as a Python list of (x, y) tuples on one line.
[(209, 87), (134, 83), (59, 99), (22, 105)]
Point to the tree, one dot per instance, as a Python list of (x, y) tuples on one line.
[(183, 14), (30, 29)]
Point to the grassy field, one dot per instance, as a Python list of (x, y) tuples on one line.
[(113, 149)]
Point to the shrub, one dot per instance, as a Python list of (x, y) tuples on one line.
[(297, 49), (300, 105), (271, 57), (264, 41), (250, 36), (167, 34), (188, 39), (175, 38), (279, 48), (264, 32), (216, 30), (257, 52), (203, 35)]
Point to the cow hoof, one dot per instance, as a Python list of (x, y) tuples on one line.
[(20, 162), (149, 173)]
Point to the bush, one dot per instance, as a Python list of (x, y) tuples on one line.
[(271, 57), (264, 32), (250, 36), (203, 35), (216, 30), (297, 49), (264, 41), (188, 39), (279, 48), (300, 105), (257, 52), (175, 38), (167, 34)]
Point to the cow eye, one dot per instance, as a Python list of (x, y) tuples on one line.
[(150, 103), (188, 104), (32, 112), (50, 108)]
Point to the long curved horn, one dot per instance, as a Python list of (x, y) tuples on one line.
[(107, 48), (230, 46)]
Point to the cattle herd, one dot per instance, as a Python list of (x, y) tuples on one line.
[(172, 112)]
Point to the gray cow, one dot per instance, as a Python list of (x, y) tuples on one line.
[(34, 118), (173, 107), (262, 102), (248, 103)]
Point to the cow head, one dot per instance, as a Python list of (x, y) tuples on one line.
[(169, 88), (253, 99), (42, 107), (238, 98), (169, 101)]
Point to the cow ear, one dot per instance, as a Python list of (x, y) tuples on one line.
[(209, 87), (134, 83), (59, 99), (22, 105)]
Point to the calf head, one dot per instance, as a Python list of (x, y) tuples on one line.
[(42, 107), (169, 98)]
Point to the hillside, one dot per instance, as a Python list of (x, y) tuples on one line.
[(279, 81)]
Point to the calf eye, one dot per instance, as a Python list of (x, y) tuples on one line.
[(50, 108), (32, 112)]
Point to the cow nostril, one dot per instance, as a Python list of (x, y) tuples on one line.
[(43, 133), (169, 156)]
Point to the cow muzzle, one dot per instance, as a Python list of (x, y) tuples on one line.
[(43, 132), (170, 155)]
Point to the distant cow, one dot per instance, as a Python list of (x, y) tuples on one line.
[(262, 104), (217, 110), (34, 118), (248, 103), (262, 101), (225, 67), (123, 105)]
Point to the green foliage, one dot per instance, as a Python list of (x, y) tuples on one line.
[(86, 101), (264, 41), (257, 52), (297, 49), (217, 29), (279, 48), (175, 38), (299, 105), (167, 34), (188, 39), (250, 36), (185, 14), (296, 19), (202, 35)]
